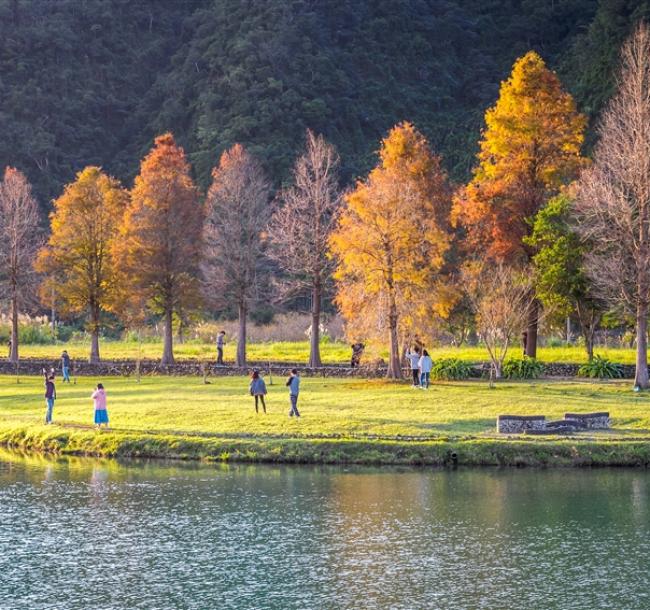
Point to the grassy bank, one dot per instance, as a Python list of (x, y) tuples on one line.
[(298, 351), (343, 421)]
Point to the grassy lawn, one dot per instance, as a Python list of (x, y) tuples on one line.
[(184, 418), (299, 352)]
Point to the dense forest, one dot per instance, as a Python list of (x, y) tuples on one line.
[(93, 81)]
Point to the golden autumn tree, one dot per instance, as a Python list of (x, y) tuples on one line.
[(530, 148), (159, 243), (77, 260), (391, 237)]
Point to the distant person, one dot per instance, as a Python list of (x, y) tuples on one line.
[(65, 366), (221, 340), (50, 397), (425, 365), (258, 390), (357, 352), (293, 383), (99, 404), (413, 356)]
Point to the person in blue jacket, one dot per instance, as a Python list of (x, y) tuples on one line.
[(293, 383), (258, 390)]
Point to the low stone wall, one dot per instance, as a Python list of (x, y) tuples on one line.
[(31, 366), (589, 421), (195, 368), (518, 424)]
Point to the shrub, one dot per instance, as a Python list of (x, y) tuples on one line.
[(555, 342), (601, 368), (522, 368), (451, 368)]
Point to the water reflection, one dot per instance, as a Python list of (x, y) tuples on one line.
[(77, 533)]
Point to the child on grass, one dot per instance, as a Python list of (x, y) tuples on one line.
[(258, 390), (99, 403)]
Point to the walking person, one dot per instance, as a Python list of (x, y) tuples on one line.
[(413, 356), (258, 390), (425, 364), (221, 340), (50, 397), (293, 383), (99, 404), (65, 366)]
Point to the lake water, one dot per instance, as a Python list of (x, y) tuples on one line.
[(86, 534)]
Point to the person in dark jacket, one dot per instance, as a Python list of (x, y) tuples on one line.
[(258, 390), (221, 340), (50, 397)]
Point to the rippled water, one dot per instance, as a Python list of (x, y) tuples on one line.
[(84, 534)]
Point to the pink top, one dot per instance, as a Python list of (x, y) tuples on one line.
[(99, 396)]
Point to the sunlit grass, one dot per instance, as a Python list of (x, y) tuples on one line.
[(331, 407), (286, 351)]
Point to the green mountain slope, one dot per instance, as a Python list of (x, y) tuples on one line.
[(92, 81)]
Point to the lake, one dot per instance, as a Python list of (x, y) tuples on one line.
[(78, 533)]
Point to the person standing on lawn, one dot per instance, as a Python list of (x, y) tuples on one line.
[(413, 356), (99, 404), (425, 364), (221, 340), (293, 383), (65, 366), (50, 397), (258, 390)]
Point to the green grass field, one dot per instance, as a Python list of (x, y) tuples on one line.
[(333, 353), (182, 417)]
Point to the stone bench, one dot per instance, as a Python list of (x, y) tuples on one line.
[(518, 424), (589, 421)]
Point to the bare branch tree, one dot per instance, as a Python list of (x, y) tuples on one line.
[(613, 196), (500, 298), (232, 234), (20, 240), (300, 228)]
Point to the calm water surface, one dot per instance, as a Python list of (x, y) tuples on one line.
[(85, 534)]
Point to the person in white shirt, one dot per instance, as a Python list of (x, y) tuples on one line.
[(425, 364), (413, 356)]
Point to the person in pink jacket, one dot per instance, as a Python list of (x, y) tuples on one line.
[(99, 400)]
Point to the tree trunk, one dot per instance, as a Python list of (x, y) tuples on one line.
[(168, 349), (531, 331), (394, 368), (241, 337), (13, 355), (589, 344), (641, 375), (94, 335), (314, 348)]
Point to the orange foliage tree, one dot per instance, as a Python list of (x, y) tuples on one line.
[(530, 148), (391, 238), (77, 260), (160, 239)]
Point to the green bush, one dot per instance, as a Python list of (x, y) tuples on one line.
[(522, 368), (601, 368), (451, 368)]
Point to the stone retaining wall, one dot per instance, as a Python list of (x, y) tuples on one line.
[(128, 368), (590, 421), (518, 424), (29, 366)]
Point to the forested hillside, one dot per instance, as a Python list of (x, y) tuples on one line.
[(93, 81)]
